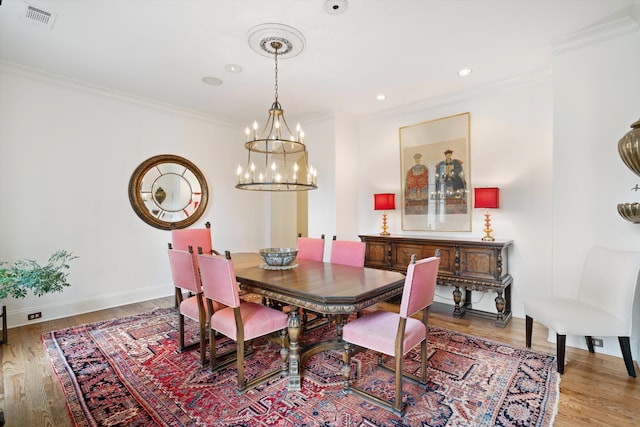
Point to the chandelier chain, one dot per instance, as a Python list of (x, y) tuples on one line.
[(276, 86)]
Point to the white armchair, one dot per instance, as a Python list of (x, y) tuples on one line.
[(602, 307)]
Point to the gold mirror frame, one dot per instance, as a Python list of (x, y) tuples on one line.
[(168, 208)]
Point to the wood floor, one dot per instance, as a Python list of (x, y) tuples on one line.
[(594, 391)]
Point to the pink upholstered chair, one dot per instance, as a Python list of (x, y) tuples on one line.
[(241, 321), (310, 248), (395, 334), (184, 272), (181, 239), (347, 252)]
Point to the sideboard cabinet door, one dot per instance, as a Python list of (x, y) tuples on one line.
[(377, 254)]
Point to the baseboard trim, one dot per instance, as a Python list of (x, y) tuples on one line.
[(16, 318)]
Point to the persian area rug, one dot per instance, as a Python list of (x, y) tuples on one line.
[(128, 372)]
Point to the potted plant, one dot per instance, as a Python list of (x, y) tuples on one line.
[(24, 276)]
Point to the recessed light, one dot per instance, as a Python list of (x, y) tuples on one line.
[(465, 72), (381, 97), (233, 68), (213, 81)]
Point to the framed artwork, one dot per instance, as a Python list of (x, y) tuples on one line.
[(435, 171)]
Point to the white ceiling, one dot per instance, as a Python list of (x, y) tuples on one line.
[(410, 50)]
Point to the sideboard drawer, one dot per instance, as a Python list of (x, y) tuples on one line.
[(401, 255)]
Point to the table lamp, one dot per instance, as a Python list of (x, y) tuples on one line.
[(384, 202), (488, 198)]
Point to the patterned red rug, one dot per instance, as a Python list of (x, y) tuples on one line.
[(127, 372)]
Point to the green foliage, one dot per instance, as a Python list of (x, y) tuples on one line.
[(27, 275)]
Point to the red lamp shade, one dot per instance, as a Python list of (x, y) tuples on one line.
[(384, 202), (487, 197)]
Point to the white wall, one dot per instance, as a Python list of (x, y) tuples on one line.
[(510, 148), (596, 98), (320, 139), (67, 152), (348, 163)]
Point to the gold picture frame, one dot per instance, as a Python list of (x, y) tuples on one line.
[(435, 175)]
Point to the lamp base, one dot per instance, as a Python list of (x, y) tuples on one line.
[(384, 225), (487, 228)]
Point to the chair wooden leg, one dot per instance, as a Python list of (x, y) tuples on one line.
[(240, 364), (423, 362), (625, 346), (212, 348), (203, 344), (589, 340), (397, 404), (181, 331), (561, 341), (528, 330)]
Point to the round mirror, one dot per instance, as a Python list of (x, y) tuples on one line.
[(168, 192)]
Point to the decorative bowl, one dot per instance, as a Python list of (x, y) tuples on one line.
[(278, 256), (630, 212)]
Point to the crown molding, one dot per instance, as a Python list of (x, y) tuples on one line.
[(59, 80), (438, 101), (596, 34)]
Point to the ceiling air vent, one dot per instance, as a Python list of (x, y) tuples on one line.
[(38, 16)]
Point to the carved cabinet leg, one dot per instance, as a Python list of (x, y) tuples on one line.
[(500, 305), (457, 297)]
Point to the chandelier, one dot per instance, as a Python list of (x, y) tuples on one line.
[(277, 158)]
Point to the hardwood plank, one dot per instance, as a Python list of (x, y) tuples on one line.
[(594, 391)]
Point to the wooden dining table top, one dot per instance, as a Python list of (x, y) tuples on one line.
[(320, 286)]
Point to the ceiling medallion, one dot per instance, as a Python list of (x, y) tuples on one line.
[(261, 36)]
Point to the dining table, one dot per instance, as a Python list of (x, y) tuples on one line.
[(321, 287)]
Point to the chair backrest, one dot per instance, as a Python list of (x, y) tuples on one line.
[(184, 270), (347, 252), (219, 279), (609, 281), (310, 248), (419, 286), (195, 237)]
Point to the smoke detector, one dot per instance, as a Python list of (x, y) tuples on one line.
[(38, 16), (335, 7)]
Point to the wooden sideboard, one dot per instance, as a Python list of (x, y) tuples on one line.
[(472, 264)]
